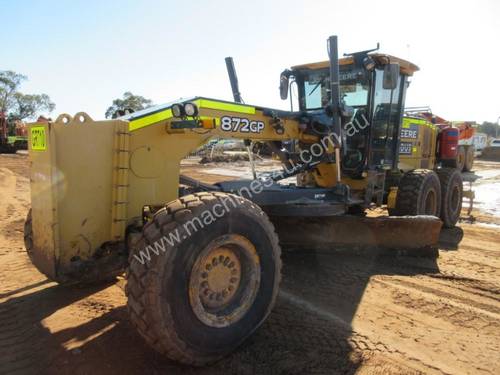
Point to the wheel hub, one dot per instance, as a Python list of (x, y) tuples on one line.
[(221, 278), (224, 281)]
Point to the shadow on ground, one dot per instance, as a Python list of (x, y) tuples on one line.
[(307, 332)]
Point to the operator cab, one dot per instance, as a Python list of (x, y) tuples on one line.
[(374, 91)]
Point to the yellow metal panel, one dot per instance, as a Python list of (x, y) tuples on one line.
[(223, 106), (391, 198), (151, 119), (201, 103), (74, 190), (120, 186), (423, 147), (325, 174), (155, 157), (291, 127), (44, 179), (405, 67), (84, 160)]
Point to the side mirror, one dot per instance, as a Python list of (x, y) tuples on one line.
[(284, 77), (391, 76)]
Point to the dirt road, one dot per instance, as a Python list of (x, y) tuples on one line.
[(337, 312)]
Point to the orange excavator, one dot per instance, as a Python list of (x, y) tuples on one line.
[(9, 144)]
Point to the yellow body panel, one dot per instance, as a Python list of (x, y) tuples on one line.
[(90, 179), (405, 66), (418, 144), (325, 175), (72, 188), (391, 198)]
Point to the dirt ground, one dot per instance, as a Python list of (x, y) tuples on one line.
[(337, 312)]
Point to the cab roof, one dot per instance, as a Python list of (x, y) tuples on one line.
[(405, 66)]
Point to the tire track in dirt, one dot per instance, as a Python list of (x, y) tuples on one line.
[(360, 342), (435, 294), (483, 288)]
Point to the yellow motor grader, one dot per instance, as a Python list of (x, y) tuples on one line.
[(203, 260)]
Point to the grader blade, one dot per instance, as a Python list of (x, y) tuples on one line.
[(404, 235)]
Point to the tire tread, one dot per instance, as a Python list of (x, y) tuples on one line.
[(142, 292)]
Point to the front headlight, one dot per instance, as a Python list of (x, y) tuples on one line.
[(178, 110), (191, 109)]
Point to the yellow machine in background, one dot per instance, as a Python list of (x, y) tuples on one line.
[(418, 144), (203, 260)]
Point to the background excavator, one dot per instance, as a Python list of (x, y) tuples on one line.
[(203, 260), (9, 144)]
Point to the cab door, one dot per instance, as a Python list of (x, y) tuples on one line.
[(387, 108)]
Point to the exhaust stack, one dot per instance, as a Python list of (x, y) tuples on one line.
[(233, 79)]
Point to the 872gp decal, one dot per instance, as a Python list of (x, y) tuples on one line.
[(240, 124)]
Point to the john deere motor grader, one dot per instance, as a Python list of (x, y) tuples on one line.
[(203, 260)]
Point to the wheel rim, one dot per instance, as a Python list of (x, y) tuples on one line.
[(430, 203), (224, 281)]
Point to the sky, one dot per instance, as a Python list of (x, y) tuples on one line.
[(84, 54)]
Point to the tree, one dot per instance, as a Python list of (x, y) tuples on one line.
[(129, 103), (19, 106), (28, 106), (9, 84), (490, 128)]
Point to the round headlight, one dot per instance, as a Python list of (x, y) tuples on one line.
[(178, 110), (369, 63), (191, 109)]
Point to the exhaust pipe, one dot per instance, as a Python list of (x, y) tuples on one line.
[(333, 55), (233, 79)]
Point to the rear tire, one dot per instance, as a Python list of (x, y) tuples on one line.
[(28, 236), (451, 195), (450, 163), (419, 193), (179, 301), (469, 159), (461, 158)]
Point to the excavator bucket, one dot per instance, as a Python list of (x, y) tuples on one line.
[(405, 235)]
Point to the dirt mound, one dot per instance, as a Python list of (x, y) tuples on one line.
[(7, 178), (224, 158), (491, 153)]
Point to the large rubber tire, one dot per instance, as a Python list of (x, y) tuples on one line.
[(469, 159), (160, 292), (450, 163), (461, 158), (419, 193), (28, 236), (451, 195)]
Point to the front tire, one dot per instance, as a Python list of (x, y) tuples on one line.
[(461, 156), (202, 296), (419, 193), (469, 159)]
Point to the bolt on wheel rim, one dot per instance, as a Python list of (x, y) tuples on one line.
[(224, 281), (221, 277)]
